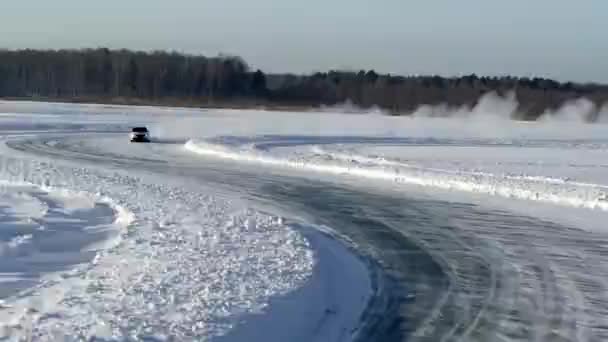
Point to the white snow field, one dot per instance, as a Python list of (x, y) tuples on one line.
[(249, 225)]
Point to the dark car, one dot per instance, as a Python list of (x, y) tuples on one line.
[(140, 134)]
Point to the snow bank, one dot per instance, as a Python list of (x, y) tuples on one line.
[(534, 188), (188, 266), (70, 199)]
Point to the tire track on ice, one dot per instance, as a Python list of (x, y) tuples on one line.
[(502, 277)]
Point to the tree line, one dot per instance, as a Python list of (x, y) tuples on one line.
[(169, 78)]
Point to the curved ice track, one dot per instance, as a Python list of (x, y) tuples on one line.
[(442, 271)]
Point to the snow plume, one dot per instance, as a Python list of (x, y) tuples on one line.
[(579, 110), (491, 106), (602, 115), (349, 107)]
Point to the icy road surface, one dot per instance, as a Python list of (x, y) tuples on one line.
[(240, 226)]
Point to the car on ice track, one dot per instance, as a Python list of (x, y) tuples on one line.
[(140, 134)]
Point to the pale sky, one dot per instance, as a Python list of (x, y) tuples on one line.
[(562, 39)]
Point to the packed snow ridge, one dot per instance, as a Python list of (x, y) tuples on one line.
[(347, 156)]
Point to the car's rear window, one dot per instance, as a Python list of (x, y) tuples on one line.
[(140, 129)]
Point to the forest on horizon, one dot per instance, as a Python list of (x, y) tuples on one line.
[(169, 78)]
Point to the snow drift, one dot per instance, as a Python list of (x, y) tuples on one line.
[(341, 161)]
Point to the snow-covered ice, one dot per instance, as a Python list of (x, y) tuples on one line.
[(554, 163), (188, 261), (181, 263), (47, 231), (186, 264)]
